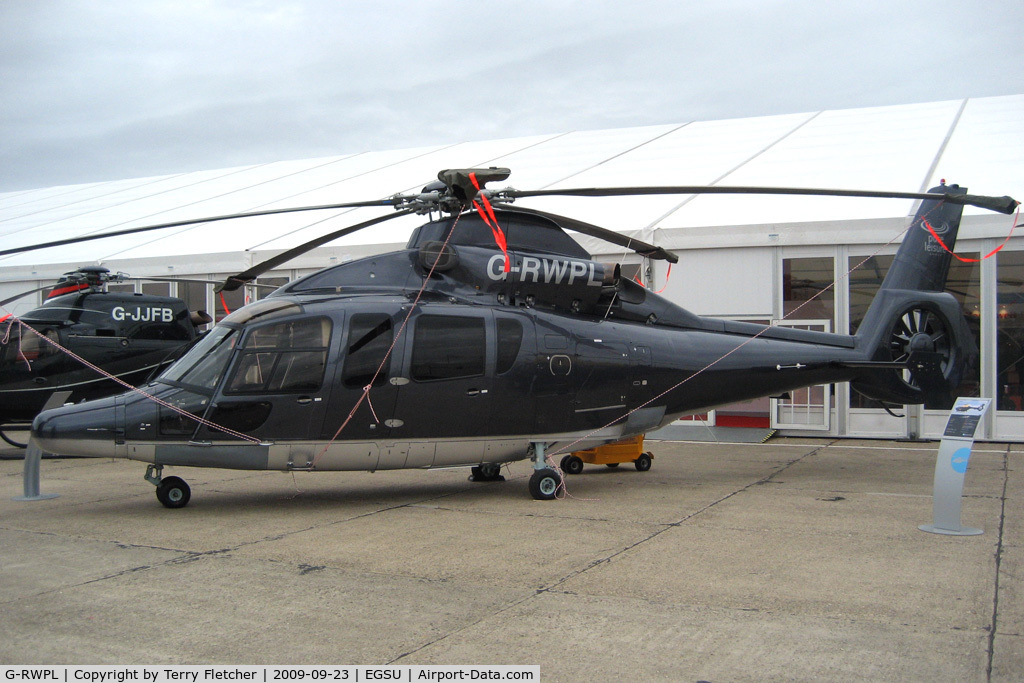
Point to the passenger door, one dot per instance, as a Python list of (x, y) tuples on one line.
[(445, 387)]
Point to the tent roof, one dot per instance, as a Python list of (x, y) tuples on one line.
[(975, 142)]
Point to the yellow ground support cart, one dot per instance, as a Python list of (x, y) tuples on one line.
[(611, 455)]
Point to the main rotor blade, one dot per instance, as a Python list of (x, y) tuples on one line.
[(188, 280), (233, 282), (31, 291), (1002, 204), (390, 201), (617, 238)]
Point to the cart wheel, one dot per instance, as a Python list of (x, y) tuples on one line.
[(643, 463), (571, 464)]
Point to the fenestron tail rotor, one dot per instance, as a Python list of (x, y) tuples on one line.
[(920, 330)]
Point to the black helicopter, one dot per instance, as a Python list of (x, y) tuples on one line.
[(493, 337), (130, 336)]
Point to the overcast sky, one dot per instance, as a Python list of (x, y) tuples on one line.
[(93, 91)]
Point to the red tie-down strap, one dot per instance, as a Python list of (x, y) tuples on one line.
[(667, 275), (224, 303), (972, 260), (487, 214)]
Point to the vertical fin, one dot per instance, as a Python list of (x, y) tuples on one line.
[(913, 321), (921, 262)]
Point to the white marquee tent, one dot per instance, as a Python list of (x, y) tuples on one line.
[(731, 247)]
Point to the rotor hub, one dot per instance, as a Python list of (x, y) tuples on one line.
[(921, 342)]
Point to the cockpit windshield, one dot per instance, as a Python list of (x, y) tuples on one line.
[(204, 364)]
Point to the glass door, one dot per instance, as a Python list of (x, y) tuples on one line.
[(808, 408)]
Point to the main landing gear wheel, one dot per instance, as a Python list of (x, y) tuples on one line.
[(570, 464), (643, 463), (488, 471), (544, 484), (173, 492)]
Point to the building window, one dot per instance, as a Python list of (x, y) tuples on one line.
[(865, 282), (807, 291), (1010, 331), (226, 302), (194, 295), (156, 288), (265, 285)]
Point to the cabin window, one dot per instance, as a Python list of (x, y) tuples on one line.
[(447, 347), (369, 340), (283, 357), (510, 338)]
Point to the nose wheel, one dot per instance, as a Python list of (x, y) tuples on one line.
[(172, 492)]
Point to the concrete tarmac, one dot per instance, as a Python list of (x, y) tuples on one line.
[(796, 560)]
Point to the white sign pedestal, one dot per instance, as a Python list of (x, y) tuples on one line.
[(951, 466)]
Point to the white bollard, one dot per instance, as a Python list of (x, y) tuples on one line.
[(34, 455)]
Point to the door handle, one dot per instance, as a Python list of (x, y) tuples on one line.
[(475, 392), (306, 400)]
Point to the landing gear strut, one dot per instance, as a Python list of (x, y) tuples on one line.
[(172, 492), (545, 482)]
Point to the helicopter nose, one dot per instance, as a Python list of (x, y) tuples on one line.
[(86, 429)]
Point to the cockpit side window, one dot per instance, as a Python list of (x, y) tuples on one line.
[(370, 337), (26, 346), (283, 357)]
